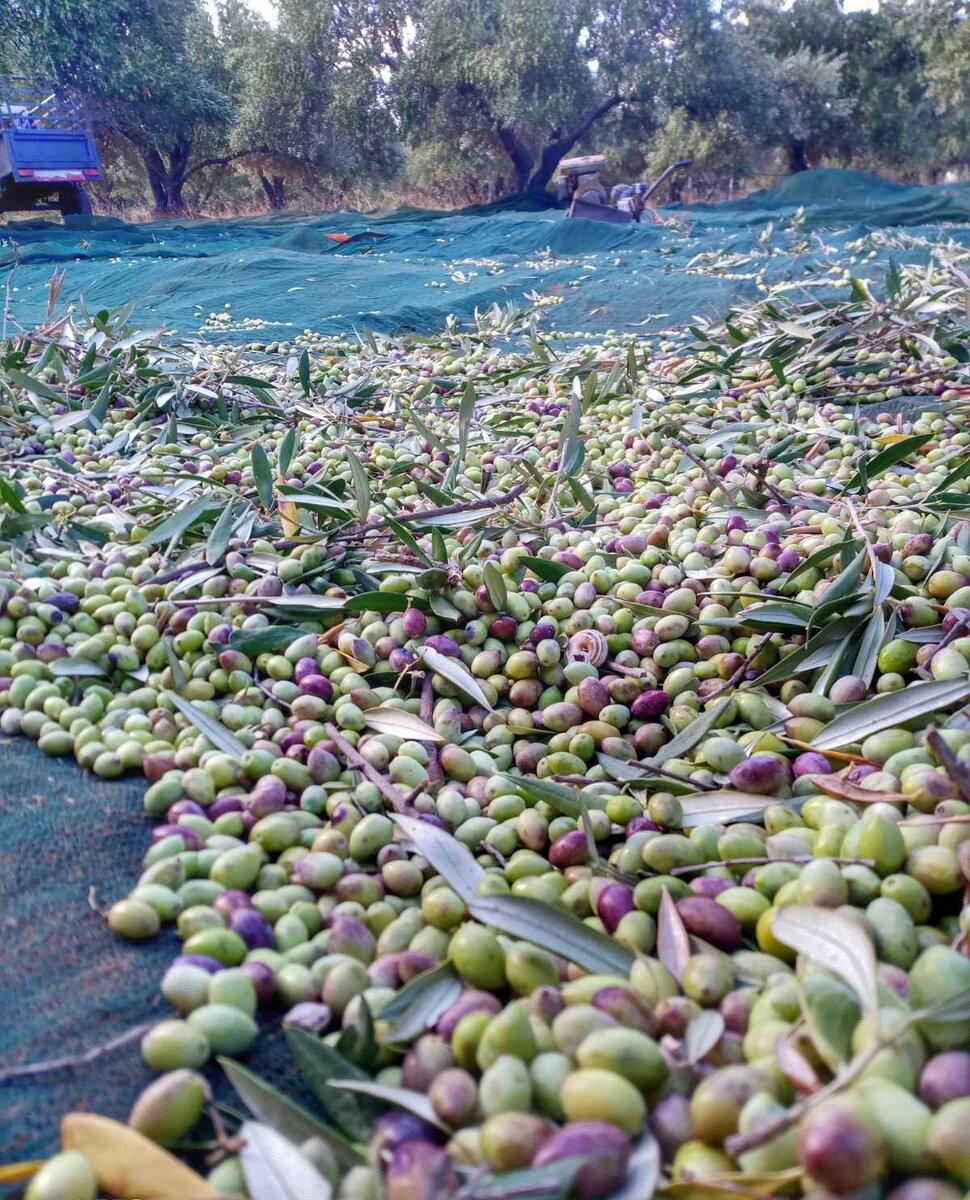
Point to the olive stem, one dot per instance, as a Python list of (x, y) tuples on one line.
[(739, 673), (741, 1143), (29, 1070), (388, 791), (447, 511), (764, 861), (957, 772), (435, 773)]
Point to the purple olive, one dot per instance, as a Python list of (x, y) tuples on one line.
[(710, 885), (605, 1148), (419, 1170), (650, 704), (763, 774), (253, 928), (230, 901), (415, 623), (613, 903), (945, 1077), (469, 1001), (707, 919), (263, 979), (811, 763), (443, 644)]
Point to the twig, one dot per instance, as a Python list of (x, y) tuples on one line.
[(764, 861), (739, 673), (447, 511), (388, 790), (29, 1070), (435, 773), (959, 776), (741, 1143)]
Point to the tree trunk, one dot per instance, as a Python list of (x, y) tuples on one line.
[(561, 143), (275, 190), (519, 156), (157, 178), (797, 158), (178, 161)]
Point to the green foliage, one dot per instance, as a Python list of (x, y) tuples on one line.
[(466, 102)]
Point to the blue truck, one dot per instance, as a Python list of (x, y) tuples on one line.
[(47, 149)]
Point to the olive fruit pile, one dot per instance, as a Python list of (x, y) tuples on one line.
[(582, 762)]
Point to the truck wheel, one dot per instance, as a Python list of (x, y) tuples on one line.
[(74, 201)]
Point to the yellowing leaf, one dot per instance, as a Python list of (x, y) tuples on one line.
[(18, 1172), (288, 518), (887, 439), (128, 1165)]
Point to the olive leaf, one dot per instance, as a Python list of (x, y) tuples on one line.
[(831, 1012), (673, 944), (543, 925), (319, 1064), (218, 543), (455, 672), (379, 602), (263, 476), (286, 451), (214, 731), (703, 1033), (894, 708), (720, 808), (867, 656), (400, 723), (689, 736), (356, 1042), (419, 1004), (495, 585), (545, 568), (267, 640), (274, 1169), (182, 520), (453, 861), (565, 800), (303, 368), (413, 1102), (868, 469), (62, 667), (551, 1182), (361, 486), (285, 1115), (643, 1171), (833, 941)]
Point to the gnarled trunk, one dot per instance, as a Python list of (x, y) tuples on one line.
[(797, 157), (275, 188)]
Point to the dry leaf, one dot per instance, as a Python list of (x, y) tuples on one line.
[(18, 1172), (128, 1165), (796, 1067), (842, 789)]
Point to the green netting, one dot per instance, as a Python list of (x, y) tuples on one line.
[(67, 984), (283, 271)]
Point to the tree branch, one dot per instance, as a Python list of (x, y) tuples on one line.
[(216, 162), (559, 145)]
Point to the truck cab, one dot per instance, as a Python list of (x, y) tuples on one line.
[(47, 149)]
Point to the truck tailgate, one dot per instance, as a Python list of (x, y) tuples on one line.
[(51, 155)]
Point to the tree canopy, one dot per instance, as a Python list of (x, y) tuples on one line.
[(353, 98)]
